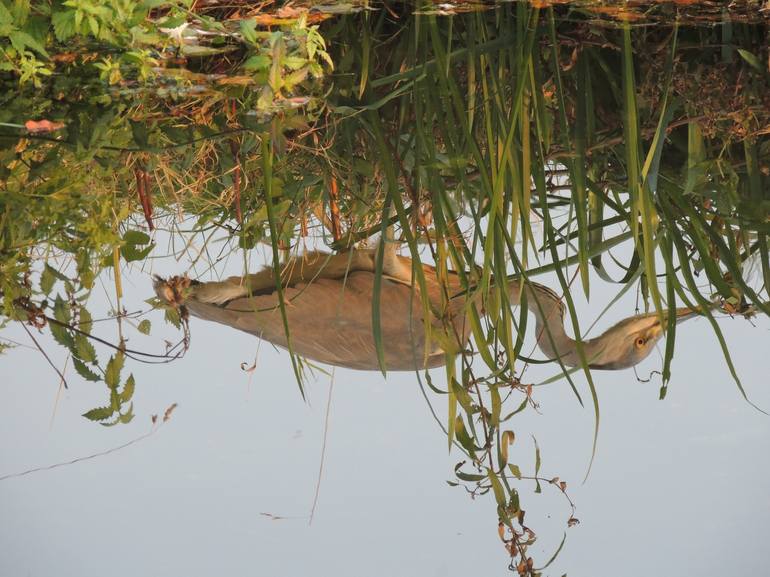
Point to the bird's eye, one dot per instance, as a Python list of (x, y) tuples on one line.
[(640, 341)]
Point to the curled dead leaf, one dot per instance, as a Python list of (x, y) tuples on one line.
[(41, 126), (167, 414)]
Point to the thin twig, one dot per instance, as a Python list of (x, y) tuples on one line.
[(47, 358), (323, 450), (93, 455), (58, 397)]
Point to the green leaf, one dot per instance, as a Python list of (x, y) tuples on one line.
[(515, 471), (128, 389), (61, 310), (62, 336), (84, 371), (144, 327), (172, 316), (128, 416), (295, 78), (294, 62), (20, 40), (21, 9), (465, 439), (497, 488), (258, 62), (99, 413), (114, 366), (63, 24), (248, 28), (135, 237), (130, 253), (6, 18), (85, 322), (141, 138), (84, 350), (47, 279), (752, 60), (470, 477)]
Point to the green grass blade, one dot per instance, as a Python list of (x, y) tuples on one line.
[(267, 176)]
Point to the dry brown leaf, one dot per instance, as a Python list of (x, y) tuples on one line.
[(40, 126), (167, 414), (236, 80)]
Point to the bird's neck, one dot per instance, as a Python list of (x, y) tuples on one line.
[(552, 338)]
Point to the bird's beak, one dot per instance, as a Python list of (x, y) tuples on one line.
[(682, 314)]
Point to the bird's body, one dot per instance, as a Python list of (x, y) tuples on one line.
[(326, 323), (328, 304)]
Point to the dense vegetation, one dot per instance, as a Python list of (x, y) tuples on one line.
[(267, 126)]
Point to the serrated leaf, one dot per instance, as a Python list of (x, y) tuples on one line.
[(84, 350), (265, 99), (21, 10), (60, 276), (47, 280), (84, 371), (294, 62), (63, 24), (295, 78), (248, 28), (128, 389), (85, 321), (144, 327), (258, 62), (114, 366), (99, 414), (172, 316), (21, 40), (62, 336), (61, 310), (128, 416)]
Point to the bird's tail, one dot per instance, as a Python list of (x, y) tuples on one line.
[(173, 291)]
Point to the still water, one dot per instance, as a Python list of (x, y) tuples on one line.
[(551, 167)]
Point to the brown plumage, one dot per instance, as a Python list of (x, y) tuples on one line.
[(328, 302)]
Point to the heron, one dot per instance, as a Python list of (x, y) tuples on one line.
[(328, 305)]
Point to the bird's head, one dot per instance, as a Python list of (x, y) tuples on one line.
[(630, 341)]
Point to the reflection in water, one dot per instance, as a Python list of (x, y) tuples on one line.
[(328, 304), (526, 132)]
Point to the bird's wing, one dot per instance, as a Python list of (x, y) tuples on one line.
[(330, 321)]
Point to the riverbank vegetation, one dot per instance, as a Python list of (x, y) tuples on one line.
[(322, 125)]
